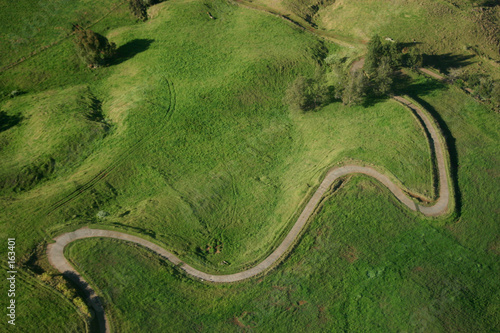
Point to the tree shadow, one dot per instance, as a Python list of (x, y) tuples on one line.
[(371, 100), (403, 84), (402, 45), (488, 3), (131, 49), (95, 303), (444, 62), (7, 121)]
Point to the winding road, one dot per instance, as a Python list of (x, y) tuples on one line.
[(55, 251)]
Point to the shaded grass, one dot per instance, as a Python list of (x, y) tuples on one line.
[(40, 308), (41, 23), (59, 130)]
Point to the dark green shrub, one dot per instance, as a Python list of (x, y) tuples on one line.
[(139, 9), (356, 89), (94, 49), (307, 93)]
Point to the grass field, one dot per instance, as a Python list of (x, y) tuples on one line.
[(453, 33), (42, 309), (414, 277), (42, 23), (219, 167), (364, 264), (200, 155)]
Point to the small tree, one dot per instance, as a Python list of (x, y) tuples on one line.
[(413, 59), (384, 77), (375, 52), (307, 93), (355, 91), (139, 9), (94, 49)]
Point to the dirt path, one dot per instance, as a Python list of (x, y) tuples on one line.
[(55, 251), (431, 73), (301, 23)]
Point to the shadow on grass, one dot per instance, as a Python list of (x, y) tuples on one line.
[(403, 84), (7, 121), (408, 44), (131, 49), (452, 150), (95, 303), (446, 61), (371, 100)]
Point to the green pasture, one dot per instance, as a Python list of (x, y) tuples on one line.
[(363, 265), (184, 138)]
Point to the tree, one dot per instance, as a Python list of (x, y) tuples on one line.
[(413, 59), (139, 9), (384, 77), (355, 91), (94, 49), (374, 53), (307, 93)]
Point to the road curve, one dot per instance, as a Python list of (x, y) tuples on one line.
[(55, 251)]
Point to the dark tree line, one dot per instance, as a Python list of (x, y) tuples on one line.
[(383, 61)]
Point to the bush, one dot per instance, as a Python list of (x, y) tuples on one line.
[(485, 88), (413, 58), (139, 9), (495, 95), (149, 3), (356, 89), (307, 93), (94, 49), (383, 78)]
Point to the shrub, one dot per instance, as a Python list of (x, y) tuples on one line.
[(307, 93), (383, 77), (94, 49), (139, 9), (356, 89), (495, 95)]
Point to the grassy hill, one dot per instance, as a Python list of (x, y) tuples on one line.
[(185, 139), (458, 33)]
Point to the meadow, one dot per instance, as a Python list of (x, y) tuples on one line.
[(363, 264), (185, 140), (43, 23)]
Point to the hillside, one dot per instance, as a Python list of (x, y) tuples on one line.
[(187, 138)]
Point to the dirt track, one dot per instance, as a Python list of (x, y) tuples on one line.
[(55, 251)]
